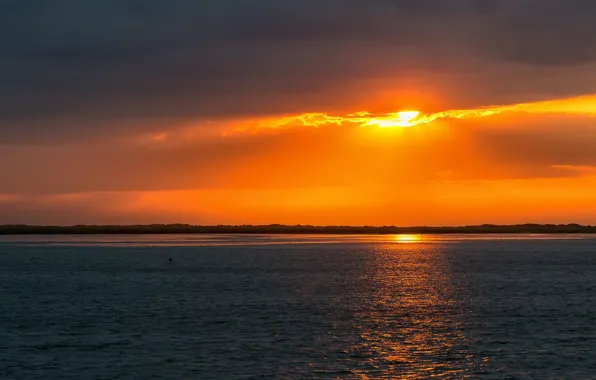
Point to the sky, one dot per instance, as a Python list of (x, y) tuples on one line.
[(285, 111)]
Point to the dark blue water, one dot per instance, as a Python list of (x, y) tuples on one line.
[(277, 308)]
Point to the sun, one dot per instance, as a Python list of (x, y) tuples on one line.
[(407, 116), (399, 119)]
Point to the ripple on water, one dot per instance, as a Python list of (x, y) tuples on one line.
[(444, 309)]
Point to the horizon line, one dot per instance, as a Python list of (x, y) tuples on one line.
[(293, 225), (179, 228)]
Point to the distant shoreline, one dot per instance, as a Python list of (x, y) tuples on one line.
[(162, 229)]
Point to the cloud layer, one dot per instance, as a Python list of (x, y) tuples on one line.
[(78, 68)]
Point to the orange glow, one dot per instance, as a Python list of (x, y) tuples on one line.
[(530, 162), (505, 201)]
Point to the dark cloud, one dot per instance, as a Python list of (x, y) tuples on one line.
[(70, 68), (545, 32)]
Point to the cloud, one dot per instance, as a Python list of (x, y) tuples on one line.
[(545, 32), (80, 69), (556, 142)]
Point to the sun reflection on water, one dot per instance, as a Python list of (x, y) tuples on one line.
[(411, 326), (406, 238)]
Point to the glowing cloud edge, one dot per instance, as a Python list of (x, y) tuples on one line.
[(584, 105)]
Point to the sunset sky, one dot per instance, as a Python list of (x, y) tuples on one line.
[(285, 111)]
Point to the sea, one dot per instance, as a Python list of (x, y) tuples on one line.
[(298, 307)]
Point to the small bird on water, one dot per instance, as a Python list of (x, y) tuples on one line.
[(171, 260)]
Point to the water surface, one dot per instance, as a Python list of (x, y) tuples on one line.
[(297, 307)]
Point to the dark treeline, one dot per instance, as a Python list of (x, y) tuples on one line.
[(298, 229)]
